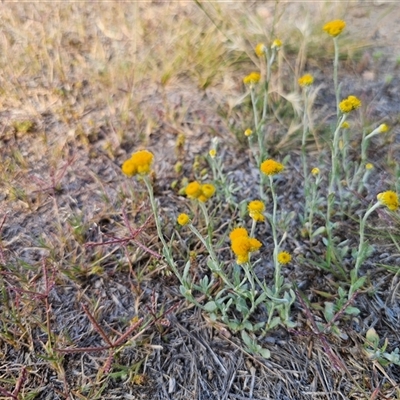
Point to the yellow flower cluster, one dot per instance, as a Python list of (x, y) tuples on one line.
[(315, 171), (345, 125), (139, 163), (260, 49), (349, 104), (271, 167), (212, 153), (382, 128), (256, 209), (195, 190), (276, 44), (306, 80), (284, 257), (248, 132), (389, 199), (183, 219), (242, 245), (334, 28), (252, 79)]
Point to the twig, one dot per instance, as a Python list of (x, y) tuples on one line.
[(96, 325), (2, 256), (124, 241), (20, 382)]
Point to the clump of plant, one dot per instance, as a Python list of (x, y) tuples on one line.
[(230, 290)]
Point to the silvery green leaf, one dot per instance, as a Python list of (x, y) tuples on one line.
[(241, 306), (258, 326), (247, 339), (341, 292), (248, 325), (243, 209), (204, 282), (213, 317), (274, 322), (393, 357), (233, 325), (369, 250), (186, 292), (186, 270), (261, 298), (228, 304), (268, 292), (264, 352), (329, 311), (290, 324), (290, 297), (210, 307), (212, 266), (358, 283), (352, 310), (319, 231)]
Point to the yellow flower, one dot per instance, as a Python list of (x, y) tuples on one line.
[(276, 44), (242, 259), (284, 257), (389, 199), (242, 245), (139, 163), (193, 190), (256, 205), (254, 244), (306, 80), (383, 128), (207, 190), (349, 104), (238, 232), (334, 28), (183, 219), (200, 192), (369, 166), (143, 160), (252, 78), (315, 171), (260, 49), (256, 208), (212, 153), (248, 132), (271, 167), (345, 125), (129, 167)]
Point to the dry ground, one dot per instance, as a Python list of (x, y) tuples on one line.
[(82, 86)]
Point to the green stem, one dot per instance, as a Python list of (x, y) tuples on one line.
[(253, 227), (334, 177), (275, 238), (362, 229), (304, 156), (216, 265), (312, 205), (257, 127), (167, 250), (335, 73)]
